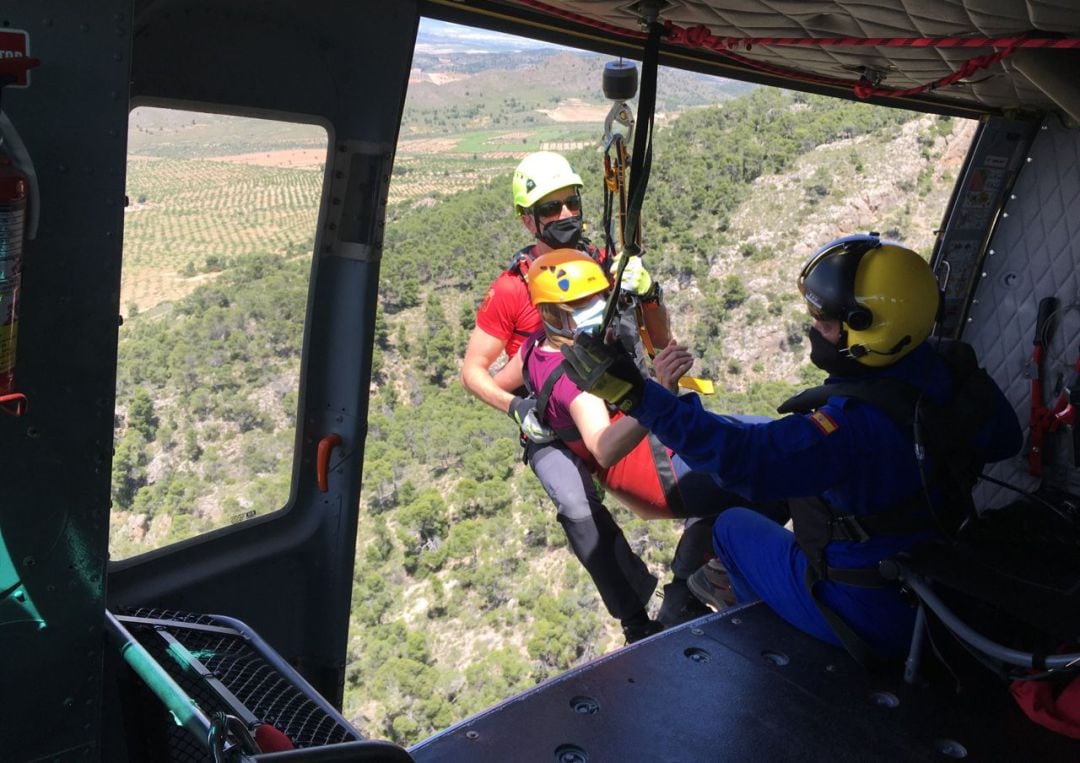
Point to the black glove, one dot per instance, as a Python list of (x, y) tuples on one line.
[(523, 411), (606, 370), (520, 407)]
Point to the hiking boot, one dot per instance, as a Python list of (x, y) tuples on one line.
[(711, 585), (679, 605), (637, 631)]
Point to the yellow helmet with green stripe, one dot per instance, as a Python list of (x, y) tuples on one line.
[(539, 174)]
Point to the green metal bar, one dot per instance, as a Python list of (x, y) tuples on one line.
[(189, 662), (176, 701), (15, 602)]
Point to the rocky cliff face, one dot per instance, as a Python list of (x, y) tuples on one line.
[(898, 187)]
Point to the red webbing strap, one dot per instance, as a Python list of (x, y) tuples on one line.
[(701, 37), (866, 89), (1041, 417), (15, 403)]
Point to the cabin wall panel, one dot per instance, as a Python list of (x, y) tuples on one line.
[(54, 505), (346, 66), (1035, 254)]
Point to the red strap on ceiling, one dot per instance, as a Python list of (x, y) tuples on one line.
[(701, 37), (865, 87)]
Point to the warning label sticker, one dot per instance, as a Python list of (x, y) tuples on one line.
[(14, 52)]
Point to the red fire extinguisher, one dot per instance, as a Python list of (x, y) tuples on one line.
[(14, 191)]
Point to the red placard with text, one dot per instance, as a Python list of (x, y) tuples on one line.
[(15, 44)]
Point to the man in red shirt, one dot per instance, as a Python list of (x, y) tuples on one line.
[(547, 198)]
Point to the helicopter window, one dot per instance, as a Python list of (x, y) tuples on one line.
[(218, 237)]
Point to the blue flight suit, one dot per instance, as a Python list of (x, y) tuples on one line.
[(848, 452)]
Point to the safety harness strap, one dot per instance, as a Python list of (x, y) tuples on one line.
[(814, 524), (523, 257), (855, 645), (895, 398), (817, 524), (567, 434), (519, 263)]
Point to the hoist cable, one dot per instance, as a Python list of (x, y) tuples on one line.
[(640, 166)]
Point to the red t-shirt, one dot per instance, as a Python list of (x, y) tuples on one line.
[(507, 313)]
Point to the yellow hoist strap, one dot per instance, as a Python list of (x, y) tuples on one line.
[(697, 384), (693, 383)]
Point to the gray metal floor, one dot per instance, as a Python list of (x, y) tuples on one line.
[(742, 686)]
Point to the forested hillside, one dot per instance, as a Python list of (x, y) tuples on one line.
[(489, 82), (464, 592)]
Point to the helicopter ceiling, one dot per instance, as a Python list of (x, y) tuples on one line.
[(925, 55)]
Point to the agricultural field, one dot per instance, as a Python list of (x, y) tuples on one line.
[(189, 219), (207, 190), (171, 134), (427, 167)]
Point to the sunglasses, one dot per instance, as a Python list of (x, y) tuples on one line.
[(554, 207)]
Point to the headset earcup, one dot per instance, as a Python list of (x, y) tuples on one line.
[(859, 319)]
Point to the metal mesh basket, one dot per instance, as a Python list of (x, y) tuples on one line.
[(237, 679)]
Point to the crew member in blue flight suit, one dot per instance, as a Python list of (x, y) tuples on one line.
[(874, 304)]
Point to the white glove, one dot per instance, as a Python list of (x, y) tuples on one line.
[(635, 278), (536, 431)]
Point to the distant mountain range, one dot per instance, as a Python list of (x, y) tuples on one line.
[(452, 63), (442, 38)]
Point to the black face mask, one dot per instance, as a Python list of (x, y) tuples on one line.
[(831, 358), (562, 234)]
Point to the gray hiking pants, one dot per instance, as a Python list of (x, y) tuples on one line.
[(622, 578)]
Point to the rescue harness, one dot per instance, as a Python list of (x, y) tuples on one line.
[(646, 483), (568, 433)]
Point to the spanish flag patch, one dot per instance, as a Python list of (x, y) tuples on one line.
[(824, 422)]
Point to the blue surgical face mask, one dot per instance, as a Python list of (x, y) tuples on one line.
[(589, 315)]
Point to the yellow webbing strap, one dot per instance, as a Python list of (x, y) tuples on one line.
[(697, 384), (693, 383)]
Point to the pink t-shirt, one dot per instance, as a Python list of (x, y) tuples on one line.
[(542, 364), (635, 479)]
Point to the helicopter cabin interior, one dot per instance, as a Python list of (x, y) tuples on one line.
[(99, 652)]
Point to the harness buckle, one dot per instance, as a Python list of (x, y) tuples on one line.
[(850, 527)]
